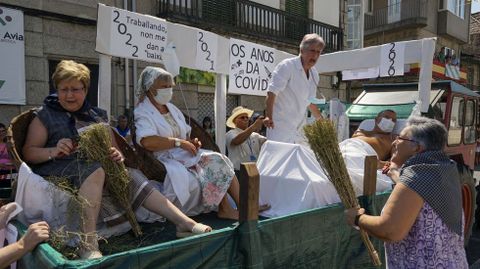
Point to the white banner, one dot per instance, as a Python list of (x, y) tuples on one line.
[(207, 44), (392, 59), (251, 66), (12, 57), (130, 35), (363, 73)]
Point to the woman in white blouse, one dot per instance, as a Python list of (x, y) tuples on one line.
[(197, 180)]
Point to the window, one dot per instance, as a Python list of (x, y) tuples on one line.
[(369, 7), (456, 122), (439, 109), (354, 24), (394, 9), (469, 126), (457, 7)]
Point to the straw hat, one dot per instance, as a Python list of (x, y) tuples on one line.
[(235, 113)]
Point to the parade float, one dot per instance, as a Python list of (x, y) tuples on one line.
[(307, 239)]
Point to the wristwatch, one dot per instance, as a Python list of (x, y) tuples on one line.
[(177, 143)]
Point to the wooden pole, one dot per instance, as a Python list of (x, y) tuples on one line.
[(249, 192), (370, 175)]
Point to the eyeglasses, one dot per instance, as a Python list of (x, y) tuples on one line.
[(72, 90), (405, 139)]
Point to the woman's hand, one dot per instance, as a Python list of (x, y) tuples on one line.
[(351, 214), (65, 147), (394, 172), (36, 233), (196, 143), (116, 155), (188, 146), (5, 211)]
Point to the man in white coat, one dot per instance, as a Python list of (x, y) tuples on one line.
[(291, 90)]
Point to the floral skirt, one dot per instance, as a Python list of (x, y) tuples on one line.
[(215, 174)]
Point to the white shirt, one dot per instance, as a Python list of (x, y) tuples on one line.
[(293, 90), (242, 153)]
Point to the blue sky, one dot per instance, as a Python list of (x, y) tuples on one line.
[(475, 6)]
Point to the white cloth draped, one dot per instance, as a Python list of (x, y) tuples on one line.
[(42, 200), (291, 179)]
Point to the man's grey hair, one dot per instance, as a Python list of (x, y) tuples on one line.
[(310, 39), (429, 133)]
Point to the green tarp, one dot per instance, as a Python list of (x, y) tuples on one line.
[(318, 238)]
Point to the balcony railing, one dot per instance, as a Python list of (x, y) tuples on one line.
[(410, 11), (249, 18)]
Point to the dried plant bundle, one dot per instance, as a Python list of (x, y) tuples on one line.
[(95, 144), (322, 138)]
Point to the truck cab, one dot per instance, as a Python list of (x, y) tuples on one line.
[(451, 103)]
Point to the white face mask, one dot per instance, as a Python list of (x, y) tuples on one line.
[(163, 96), (386, 125)]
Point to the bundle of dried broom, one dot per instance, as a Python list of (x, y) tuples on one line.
[(322, 138), (95, 144)]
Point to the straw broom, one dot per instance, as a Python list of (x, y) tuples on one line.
[(322, 138), (95, 144)]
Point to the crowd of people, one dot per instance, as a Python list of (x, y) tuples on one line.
[(198, 181)]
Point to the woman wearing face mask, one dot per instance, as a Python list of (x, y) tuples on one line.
[(422, 221), (197, 180)]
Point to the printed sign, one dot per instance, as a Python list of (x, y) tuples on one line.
[(363, 73), (251, 66), (206, 58), (130, 35), (12, 57), (392, 60)]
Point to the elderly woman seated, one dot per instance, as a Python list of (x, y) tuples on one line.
[(197, 180), (50, 149)]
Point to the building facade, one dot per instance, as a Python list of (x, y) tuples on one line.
[(66, 29), (470, 57), (400, 20)]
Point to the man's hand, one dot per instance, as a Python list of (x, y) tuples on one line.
[(257, 125), (268, 122), (36, 233)]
